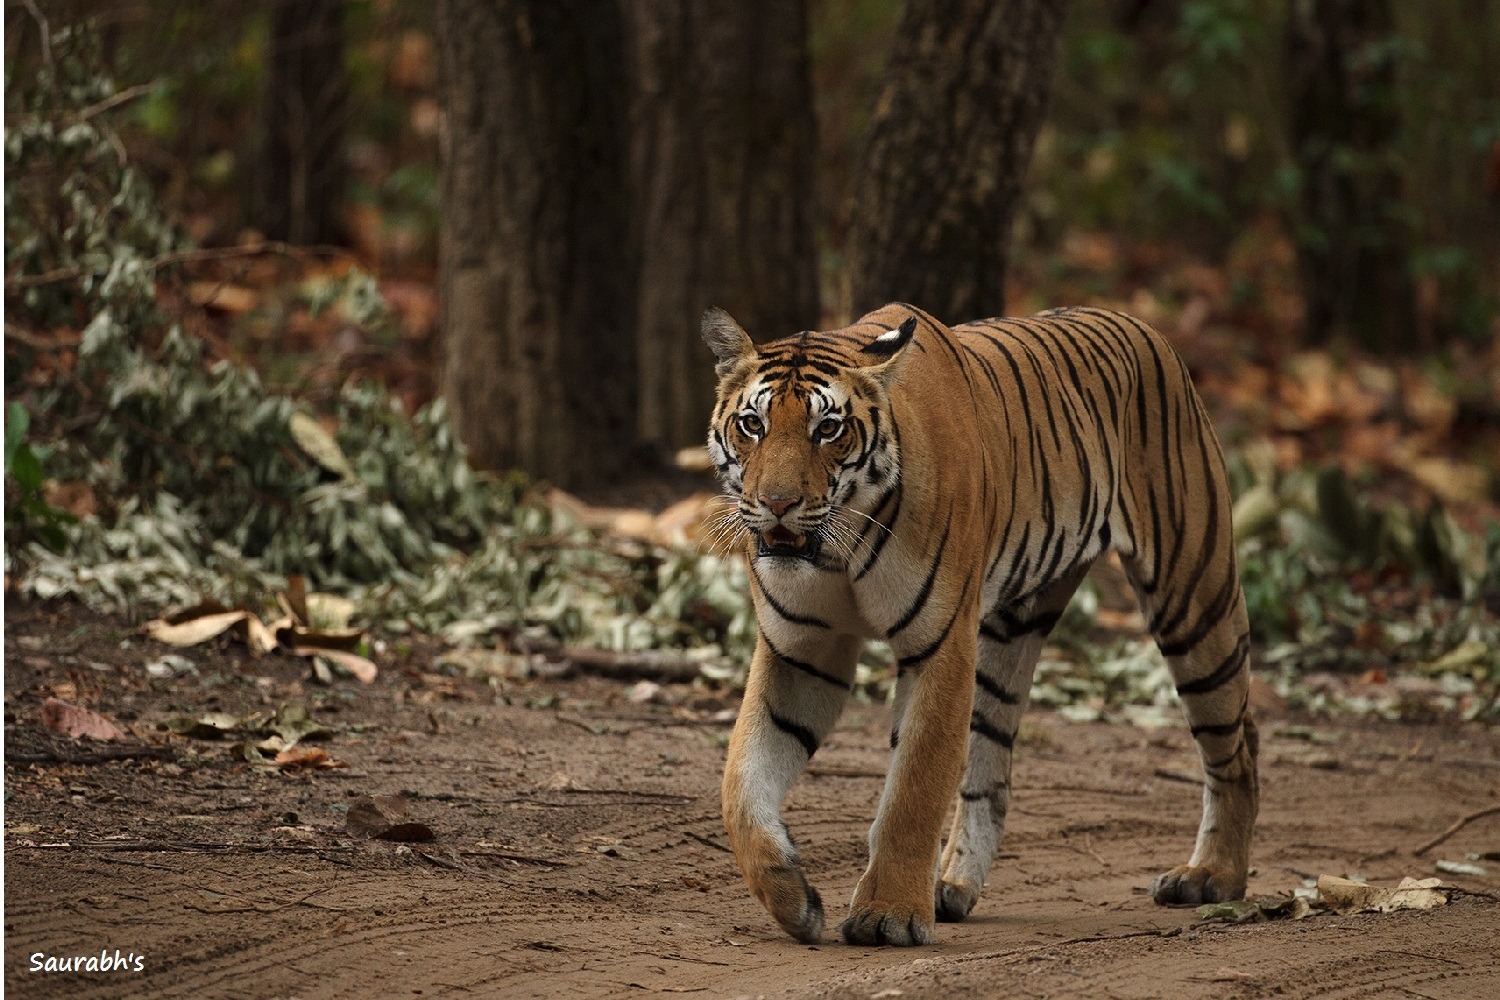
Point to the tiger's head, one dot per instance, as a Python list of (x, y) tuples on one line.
[(802, 434)]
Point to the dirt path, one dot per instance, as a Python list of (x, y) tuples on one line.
[(197, 866)]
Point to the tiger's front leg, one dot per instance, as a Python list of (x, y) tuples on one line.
[(792, 699), (893, 902)]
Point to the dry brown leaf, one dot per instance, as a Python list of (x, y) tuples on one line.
[(234, 299), (296, 637), (70, 720), (329, 611), (383, 817), (1450, 481), (195, 630), (305, 756), (1345, 896), (363, 669), (258, 637)]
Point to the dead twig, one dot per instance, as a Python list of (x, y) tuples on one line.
[(654, 664), (256, 907), (1457, 826), (185, 847), (632, 793), (55, 275), (708, 842), (1182, 776), (511, 856), (109, 103), (834, 771), (61, 755)]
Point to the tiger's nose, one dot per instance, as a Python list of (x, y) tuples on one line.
[(779, 504)]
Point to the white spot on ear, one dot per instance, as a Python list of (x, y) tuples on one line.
[(889, 337)]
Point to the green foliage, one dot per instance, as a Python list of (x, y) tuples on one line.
[(27, 512), (73, 204), (214, 487)]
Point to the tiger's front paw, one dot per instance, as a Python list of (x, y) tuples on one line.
[(805, 923), (876, 923), (954, 902), (1190, 885)]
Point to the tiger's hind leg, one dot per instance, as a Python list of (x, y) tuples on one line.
[(1010, 642), (1205, 635)]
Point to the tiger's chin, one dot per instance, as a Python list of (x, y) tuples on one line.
[(782, 543)]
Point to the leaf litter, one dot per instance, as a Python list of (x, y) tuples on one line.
[(1330, 894)]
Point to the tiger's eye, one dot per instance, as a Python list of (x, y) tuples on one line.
[(830, 428), (751, 425)]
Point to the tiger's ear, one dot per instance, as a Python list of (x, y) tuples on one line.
[(725, 338), (890, 350)]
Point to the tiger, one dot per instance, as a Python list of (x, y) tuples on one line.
[(945, 490)]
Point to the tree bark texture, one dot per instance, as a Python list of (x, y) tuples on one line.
[(1353, 236), (722, 161), (949, 143), (305, 105), (538, 272)]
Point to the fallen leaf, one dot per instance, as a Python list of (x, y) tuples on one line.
[(171, 665), (210, 726), (300, 756), (383, 817), (643, 691), (1342, 895), (293, 636), (1459, 868), (195, 630), (70, 720), (329, 611), (361, 668), (258, 637), (235, 299), (1234, 911), (293, 723)]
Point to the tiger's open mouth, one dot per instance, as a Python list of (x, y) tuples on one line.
[(784, 543)]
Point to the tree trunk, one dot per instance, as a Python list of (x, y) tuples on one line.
[(1353, 237), (306, 102), (949, 143), (722, 153), (538, 274)]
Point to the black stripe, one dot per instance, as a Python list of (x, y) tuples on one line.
[(1218, 729), (1223, 673), (990, 793), (926, 591), (907, 661), (979, 724), (1224, 602), (889, 525), (801, 734), (994, 690), (1219, 765), (805, 667), (777, 607)]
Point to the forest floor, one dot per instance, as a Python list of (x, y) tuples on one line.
[(578, 850)]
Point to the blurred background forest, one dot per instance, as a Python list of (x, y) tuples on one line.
[(273, 269)]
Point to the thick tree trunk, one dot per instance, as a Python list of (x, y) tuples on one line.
[(722, 153), (949, 143), (306, 102), (538, 273), (1352, 237)]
